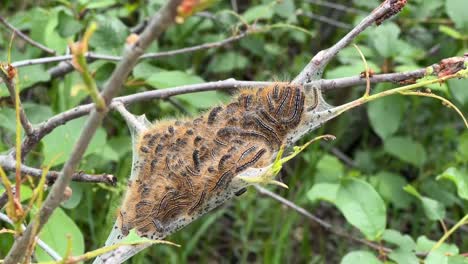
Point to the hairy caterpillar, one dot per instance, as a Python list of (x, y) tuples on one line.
[(184, 168), (187, 166)]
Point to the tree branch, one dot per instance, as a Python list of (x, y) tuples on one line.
[(64, 67), (160, 21), (314, 69), (10, 84), (8, 163), (26, 38)]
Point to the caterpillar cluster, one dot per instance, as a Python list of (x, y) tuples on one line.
[(185, 165)]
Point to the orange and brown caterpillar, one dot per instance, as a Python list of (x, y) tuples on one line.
[(186, 167)]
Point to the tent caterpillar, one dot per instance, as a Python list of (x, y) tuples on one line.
[(186, 167)]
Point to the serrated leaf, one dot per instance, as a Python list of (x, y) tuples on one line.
[(360, 257), (55, 233), (323, 191), (459, 177), (362, 207), (406, 149)]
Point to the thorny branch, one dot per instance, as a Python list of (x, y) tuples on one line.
[(160, 21)]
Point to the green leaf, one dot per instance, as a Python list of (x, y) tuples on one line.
[(403, 241), (258, 12), (67, 25), (406, 150), (28, 76), (7, 119), (436, 257), (403, 256), (37, 113), (55, 234), (433, 209), (390, 187), (227, 62), (423, 244), (51, 37), (457, 88), (360, 257), (323, 191), (362, 207), (61, 141), (77, 194), (385, 39), (459, 177), (329, 169), (99, 4), (110, 36), (166, 79), (145, 70), (456, 9), (204, 100), (385, 115), (286, 9), (463, 146)]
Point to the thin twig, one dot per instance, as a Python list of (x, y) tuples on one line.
[(337, 6), (26, 38), (327, 20), (9, 164), (64, 67), (160, 21), (155, 55), (11, 86), (314, 69), (329, 227), (52, 253)]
